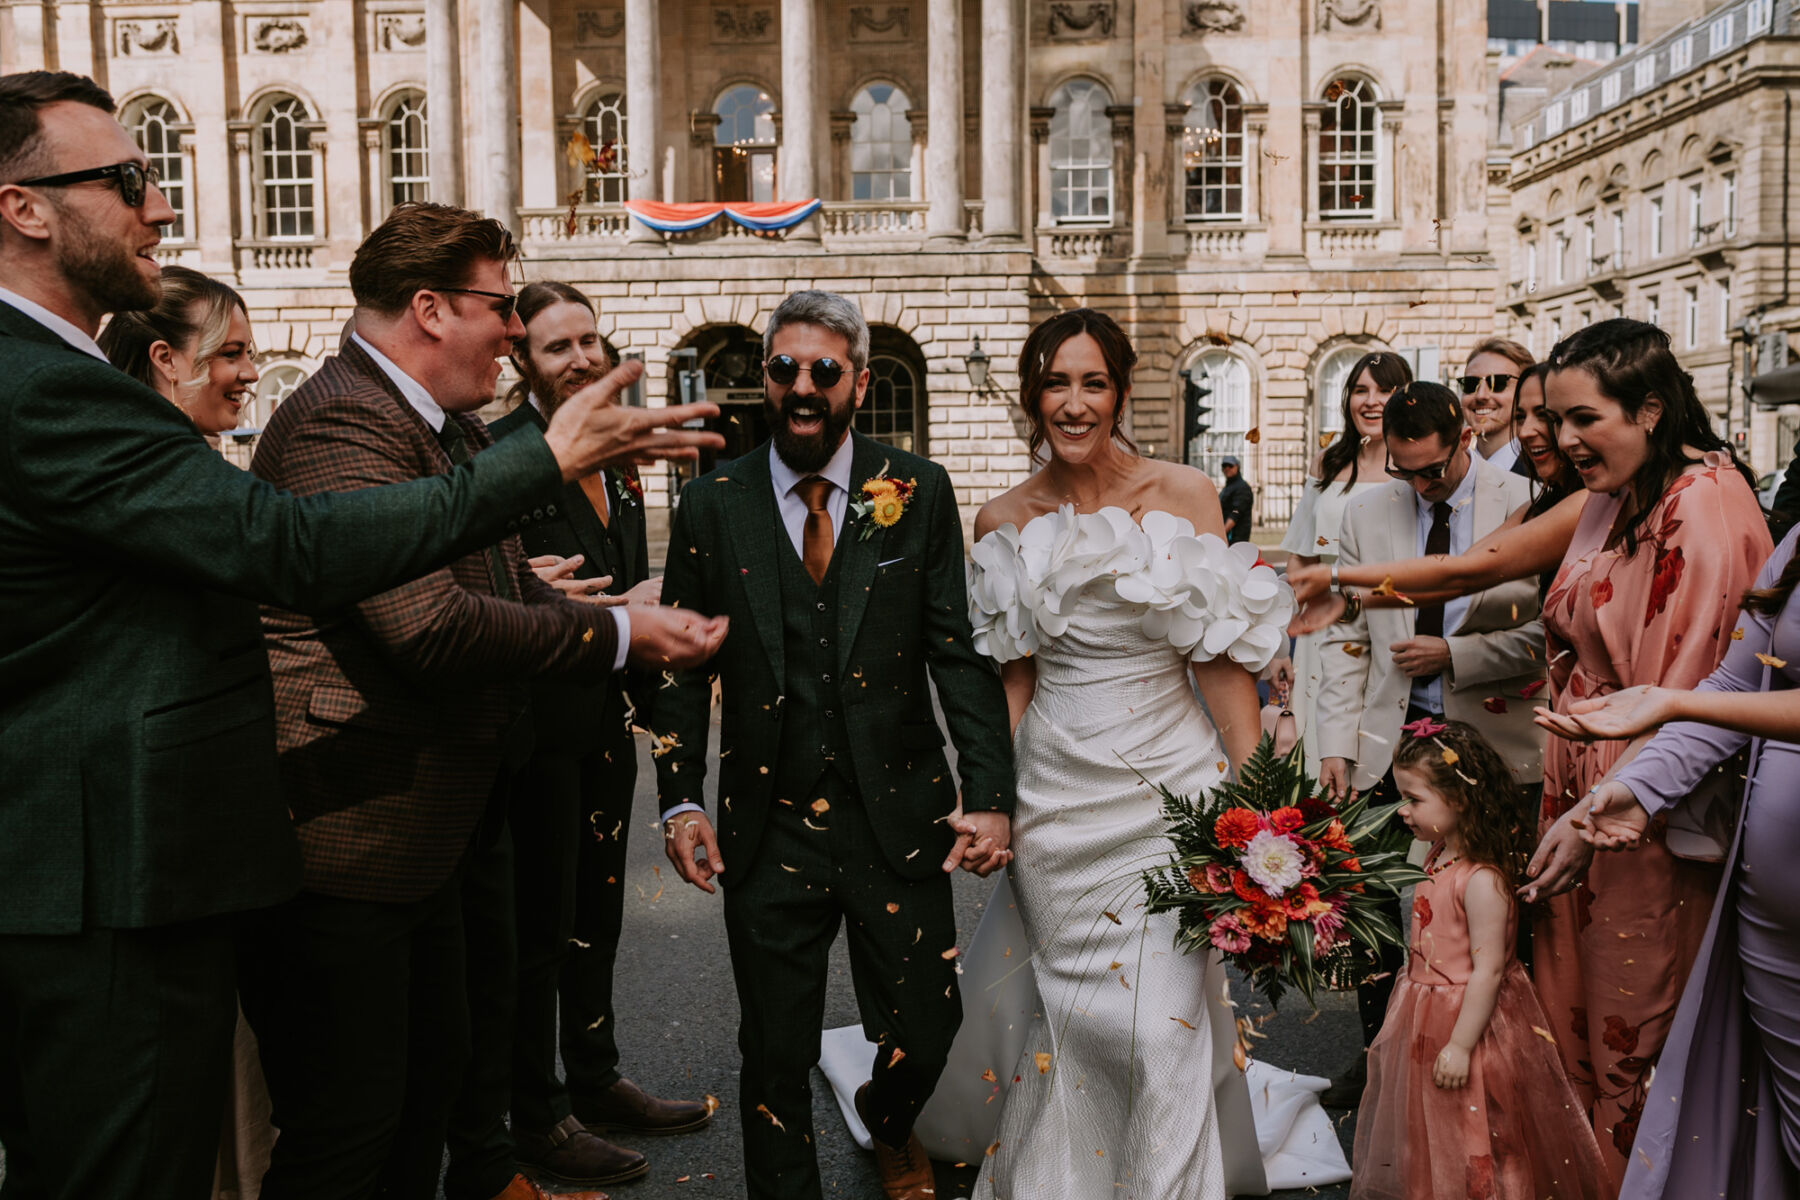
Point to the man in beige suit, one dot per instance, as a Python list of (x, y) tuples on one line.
[(1472, 659)]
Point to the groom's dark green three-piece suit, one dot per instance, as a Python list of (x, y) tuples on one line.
[(833, 787)]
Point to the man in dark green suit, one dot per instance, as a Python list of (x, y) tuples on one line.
[(840, 562), (140, 813)]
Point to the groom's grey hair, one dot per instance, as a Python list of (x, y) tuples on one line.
[(829, 311)]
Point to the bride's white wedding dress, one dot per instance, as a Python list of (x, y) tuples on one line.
[(1113, 1075)]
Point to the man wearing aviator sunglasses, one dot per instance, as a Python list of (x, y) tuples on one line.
[(1490, 388)]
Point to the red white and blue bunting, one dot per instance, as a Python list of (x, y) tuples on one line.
[(685, 218)]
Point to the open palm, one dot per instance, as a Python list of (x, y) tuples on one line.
[(1623, 714)]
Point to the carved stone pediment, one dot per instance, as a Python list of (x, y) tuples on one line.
[(743, 23), (883, 23), (1082, 20), (398, 33), (1201, 17), (597, 26), (1353, 14), (147, 35)]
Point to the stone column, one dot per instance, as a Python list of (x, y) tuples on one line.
[(1149, 209), (944, 114), (843, 184), (541, 140), (74, 26), (443, 100), (643, 109), (371, 130), (240, 153), (23, 46), (799, 178), (498, 76), (1002, 119), (1040, 152)]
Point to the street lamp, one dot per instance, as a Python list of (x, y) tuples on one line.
[(977, 363)]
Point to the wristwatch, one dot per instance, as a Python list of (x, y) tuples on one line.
[(1352, 606)]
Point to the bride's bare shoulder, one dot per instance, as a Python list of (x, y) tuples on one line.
[(1184, 491), (1015, 507)]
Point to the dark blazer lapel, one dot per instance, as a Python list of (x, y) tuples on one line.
[(755, 524), (358, 360), (857, 556), (627, 522), (16, 323)]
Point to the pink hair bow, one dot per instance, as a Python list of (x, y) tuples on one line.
[(1424, 727)]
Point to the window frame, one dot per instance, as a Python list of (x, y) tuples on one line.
[(1225, 370), (1696, 210), (170, 158), (597, 187), (1218, 94), (866, 417), (1366, 165), (392, 121), (1659, 245), (898, 145), (760, 148), (297, 114), (1063, 185), (1690, 317)]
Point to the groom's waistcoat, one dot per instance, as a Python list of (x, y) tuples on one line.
[(814, 738)]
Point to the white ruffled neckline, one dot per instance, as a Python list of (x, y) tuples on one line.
[(1204, 597)]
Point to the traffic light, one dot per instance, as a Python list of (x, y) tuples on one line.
[(1194, 408)]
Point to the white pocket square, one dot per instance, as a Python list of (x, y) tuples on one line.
[(890, 562)]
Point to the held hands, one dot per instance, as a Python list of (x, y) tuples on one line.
[(673, 639), (591, 429), (1622, 714), (1422, 656), (982, 842), (683, 834), (1451, 1070), (1561, 856), (1616, 821)]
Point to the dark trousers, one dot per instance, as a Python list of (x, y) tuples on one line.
[(115, 1054), (570, 817), (363, 1022), (481, 1147), (812, 872)]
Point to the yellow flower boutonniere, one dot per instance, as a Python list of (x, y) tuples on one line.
[(883, 502)]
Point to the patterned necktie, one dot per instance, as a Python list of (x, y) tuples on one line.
[(1430, 617), (456, 445), (816, 538)]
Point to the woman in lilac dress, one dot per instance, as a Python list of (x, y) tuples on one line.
[(1723, 1118)]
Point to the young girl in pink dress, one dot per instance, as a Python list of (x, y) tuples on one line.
[(1467, 1097)]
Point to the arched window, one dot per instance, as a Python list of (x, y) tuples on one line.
[(1232, 410), (744, 156), (604, 125), (1081, 153), (277, 384), (1329, 380), (890, 410), (1212, 151), (880, 145), (155, 126), (1349, 150), (406, 142), (284, 158)]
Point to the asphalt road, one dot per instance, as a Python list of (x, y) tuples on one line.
[(677, 1013)]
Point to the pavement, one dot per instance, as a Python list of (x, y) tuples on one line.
[(677, 1013)]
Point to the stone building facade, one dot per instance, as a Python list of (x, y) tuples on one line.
[(1262, 188), (1657, 187)]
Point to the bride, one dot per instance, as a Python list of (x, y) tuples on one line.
[(1099, 584)]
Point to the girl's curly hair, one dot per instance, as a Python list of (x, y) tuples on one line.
[(1476, 783)]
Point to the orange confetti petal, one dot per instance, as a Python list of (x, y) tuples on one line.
[(989, 1076), (895, 1057), (1181, 1022), (1112, 917), (1737, 635), (773, 1119), (1450, 757), (1769, 660), (1043, 1066), (892, 907), (1353, 649), (1254, 436)]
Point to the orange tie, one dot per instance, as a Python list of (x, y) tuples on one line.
[(815, 538), (594, 488)]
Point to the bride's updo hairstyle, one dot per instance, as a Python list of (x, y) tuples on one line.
[(1630, 361), (1040, 351)]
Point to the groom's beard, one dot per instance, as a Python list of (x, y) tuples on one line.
[(807, 454)]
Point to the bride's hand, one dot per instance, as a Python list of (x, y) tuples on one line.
[(983, 841)]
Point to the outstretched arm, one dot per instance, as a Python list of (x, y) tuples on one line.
[(1518, 549)]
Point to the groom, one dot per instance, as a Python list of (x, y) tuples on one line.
[(835, 800)]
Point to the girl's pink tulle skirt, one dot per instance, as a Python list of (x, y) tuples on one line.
[(1515, 1131)]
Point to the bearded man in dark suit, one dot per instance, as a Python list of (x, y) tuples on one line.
[(142, 815), (571, 809), (400, 722), (835, 801)]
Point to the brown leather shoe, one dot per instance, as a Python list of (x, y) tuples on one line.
[(905, 1173), (570, 1154), (522, 1188), (626, 1107)]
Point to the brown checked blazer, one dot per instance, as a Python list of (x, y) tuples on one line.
[(395, 715)]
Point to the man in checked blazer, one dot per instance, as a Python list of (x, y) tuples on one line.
[(399, 720), (142, 813), (835, 802)]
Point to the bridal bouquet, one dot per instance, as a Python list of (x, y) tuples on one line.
[(1287, 886)]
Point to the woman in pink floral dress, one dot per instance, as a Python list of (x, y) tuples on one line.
[(1669, 540)]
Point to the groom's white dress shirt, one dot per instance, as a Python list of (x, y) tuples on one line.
[(792, 508)]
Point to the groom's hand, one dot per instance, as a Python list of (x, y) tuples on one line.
[(983, 842), (681, 834)]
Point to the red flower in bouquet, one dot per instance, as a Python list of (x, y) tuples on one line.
[(1235, 827), (1350, 864), (1247, 891), (1286, 819), (1303, 903), (1316, 808), (1229, 935), (1218, 879)]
